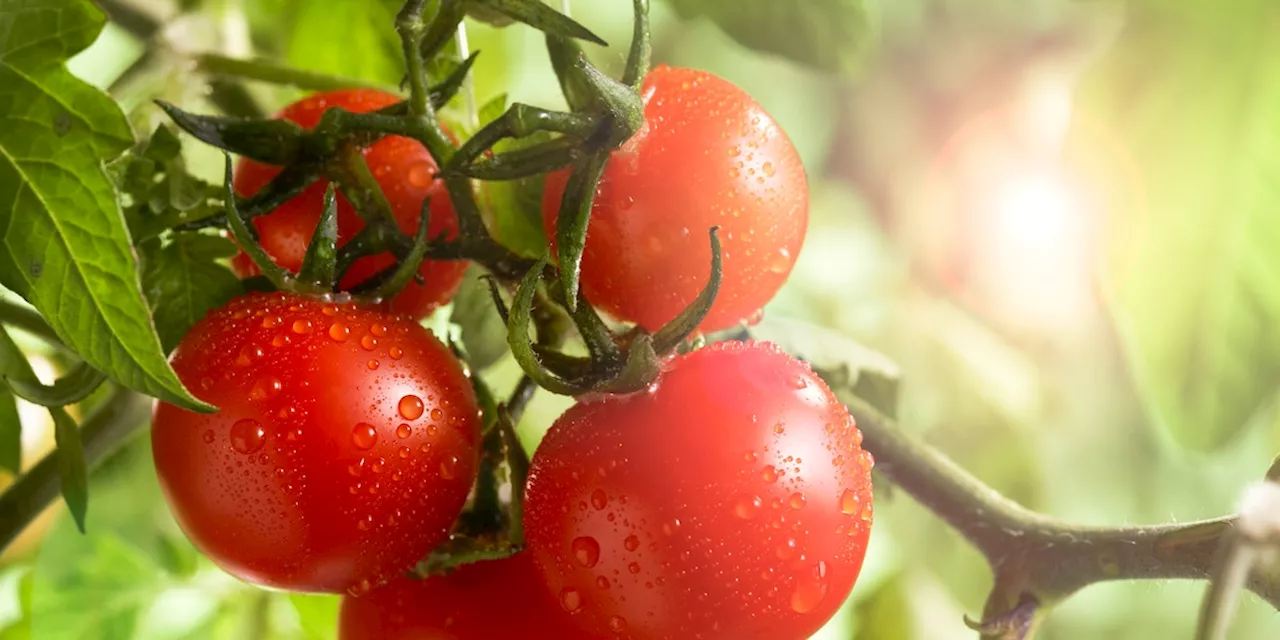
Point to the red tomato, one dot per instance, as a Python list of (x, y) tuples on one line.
[(492, 600), (731, 501), (708, 155), (344, 449), (406, 173)]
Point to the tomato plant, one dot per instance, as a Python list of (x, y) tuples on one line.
[(343, 451), (459, 606), (407, 175), (707, 155), (732, 500)]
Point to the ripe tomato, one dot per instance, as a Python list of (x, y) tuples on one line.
[(495, 599), (708, 155), (406, 173), (733, 500), (344, 448)]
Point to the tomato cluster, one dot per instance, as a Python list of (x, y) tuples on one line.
[(731, 499)]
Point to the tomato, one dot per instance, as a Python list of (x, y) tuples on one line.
[(344, 448), (708, 155), (405, 171), (495, 599), (732, 500)]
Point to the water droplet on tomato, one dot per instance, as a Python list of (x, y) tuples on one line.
[(404, 453), (810, 589), (849, 502), (396, 353), (280, 340), (208, 436), (373, 364), (634, 567), (449, 467), (570, 599), (420, 175), (271, 322), (411, 407), (339, 332), (301, 326), (631, 543), (786, 549), (247, 436), (265, 388), (769, 474), (329, 310), (599, 500), (586, 551), (369, 342), (797, 501), (364, 435), (437, 414), (248, 354), (602, 582), (403, 431), (617, 624), (749, 456), (748, 507), (768, 169), (360, 588)]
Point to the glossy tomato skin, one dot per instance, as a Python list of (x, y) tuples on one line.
[(344, 448), (731, 501), (495, 600), (405, 171), (707, 156)]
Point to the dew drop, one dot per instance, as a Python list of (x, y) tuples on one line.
[(403, 431), (437, 414), (849, 502), (339, 332), (378, 329), (768, 169), (810, 590), (265, 388), (769, 474), (748, 507), (247, 436), (634, 567), (797, 501), (208, 436), (360, 588), (586, 551), (749, 456), (410, 408), (786, 549), (420, 175), (599, 500), (631, 543), (280, 340), (364, 435), (449, 467), (373, 364), (570, 599), (396, 353), (330, 310), (602, 582), (271, 322), (617, 624), (301, 326), (404, 453), (368, 342)]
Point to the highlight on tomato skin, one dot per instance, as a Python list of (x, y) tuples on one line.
[(708, 155), (405, 171), (733, 500), (343, 450), (493, 599)]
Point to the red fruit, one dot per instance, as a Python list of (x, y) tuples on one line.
[(708, 155), (731, 501), (344, 448), (405, 171), (496, 600)]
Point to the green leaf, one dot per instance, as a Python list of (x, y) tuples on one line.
[(65, 246), (1196, 297), (869, 374), (13, 365), (534, 13), (829, 35), (71, 466), (354, 38), (483, 331), (184, 281), (515, 206)]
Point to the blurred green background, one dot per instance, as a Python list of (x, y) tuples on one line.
[(1056, 217)]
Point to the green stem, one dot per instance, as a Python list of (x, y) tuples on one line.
[(1033, 554), (280, 73), (107, 427)]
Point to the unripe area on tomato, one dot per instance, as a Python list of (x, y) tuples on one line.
[(708, 155), (405, 171), (733, 500), (344, 447), (496, 599)]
